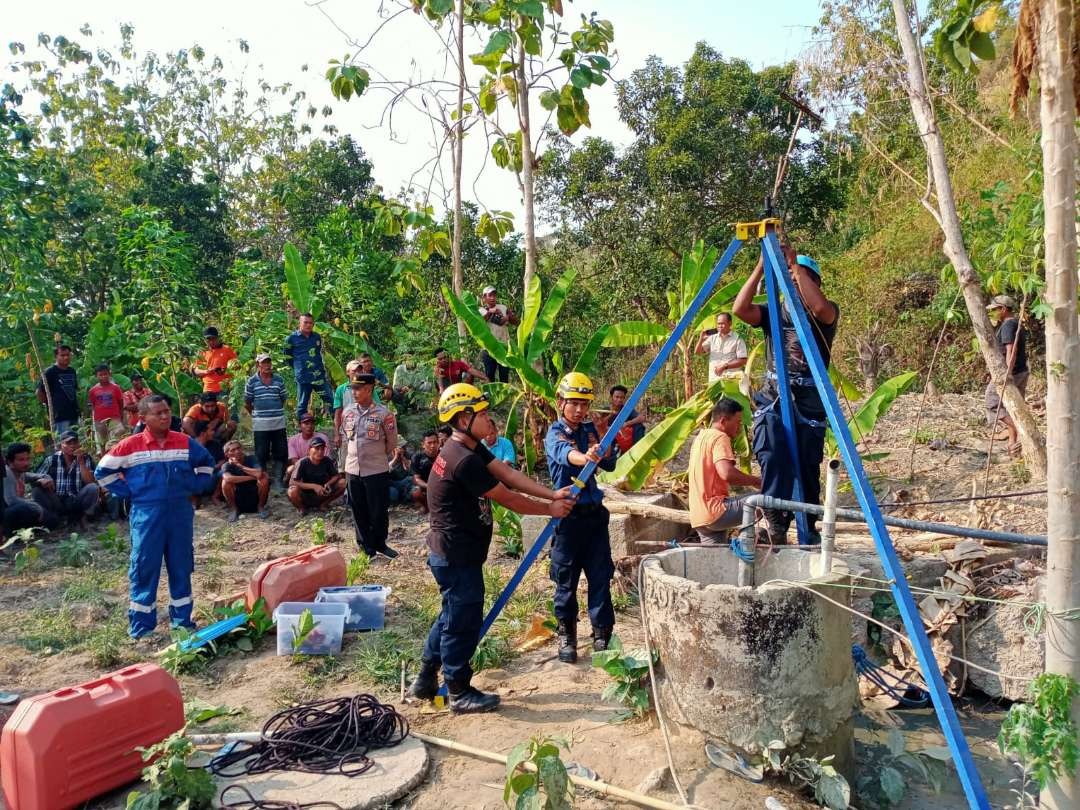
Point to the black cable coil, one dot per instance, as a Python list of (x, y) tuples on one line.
[(325, 736), (249, 802)]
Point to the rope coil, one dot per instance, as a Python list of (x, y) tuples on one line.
[(325, 736)]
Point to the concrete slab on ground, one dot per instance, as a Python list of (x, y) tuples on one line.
[(396, 771)]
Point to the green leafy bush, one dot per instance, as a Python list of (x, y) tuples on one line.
[(544, 786), (631, 674), (1041, 734), (173, 783)]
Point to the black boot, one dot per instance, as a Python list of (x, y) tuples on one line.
[(426, 684), (567, 633), (600, 638), (467, 699)]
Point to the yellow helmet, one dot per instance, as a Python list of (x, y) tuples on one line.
[(459, 398), (575, 385)]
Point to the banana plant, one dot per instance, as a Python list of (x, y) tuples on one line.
[(531, 396), (862, 423)]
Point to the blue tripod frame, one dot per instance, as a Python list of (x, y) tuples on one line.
[(778, 280)]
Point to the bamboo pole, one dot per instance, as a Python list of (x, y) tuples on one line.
[(595, 785)]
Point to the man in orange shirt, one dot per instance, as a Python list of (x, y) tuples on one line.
[(713, 472), (212, 363)]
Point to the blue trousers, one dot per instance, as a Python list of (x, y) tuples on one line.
[(777, 472), (581, 544), (303, 395), (163, 530), (455, 634)]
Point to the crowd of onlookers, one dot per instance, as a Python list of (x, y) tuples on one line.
[(312, 466)]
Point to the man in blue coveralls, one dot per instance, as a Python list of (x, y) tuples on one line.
[(159, 470), (303, 350), (581, 539), (778, 473)]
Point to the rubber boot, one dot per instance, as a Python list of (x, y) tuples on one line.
[(567, 633), (601, 636), (426, 684), (467, 699)]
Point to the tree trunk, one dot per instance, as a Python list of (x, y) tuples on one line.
[(527, 179), (456, 156), (688, 367), (926, 120), (1059, 147)]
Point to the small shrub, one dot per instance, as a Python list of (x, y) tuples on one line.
[(357, 569), (112, 541), (380, 658), (829, 787), (173, 782), (50, 631), (107, 643), (492, 652), (318, 532), (74, 551), (631, 674), (1041, 734), (546, 786)]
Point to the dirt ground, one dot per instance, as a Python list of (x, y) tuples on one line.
[(62, 625)]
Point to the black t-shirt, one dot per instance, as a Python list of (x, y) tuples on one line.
[(1006, 334), (63, 390), (460, 514), (806, 396), (308, 472), (234, 469), (421, 465)]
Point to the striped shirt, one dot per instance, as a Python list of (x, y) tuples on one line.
[(267, 401)]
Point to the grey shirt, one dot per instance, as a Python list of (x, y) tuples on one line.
[(370, 435), (30, 480)]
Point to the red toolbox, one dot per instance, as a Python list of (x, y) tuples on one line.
[(62, 748), (296, 578)]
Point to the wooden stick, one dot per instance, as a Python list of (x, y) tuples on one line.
[(621, 507), (596, 785)]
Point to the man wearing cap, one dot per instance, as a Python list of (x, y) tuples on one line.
[(264, 399), (727, 351), (160, 470), (303, 350), (1011, 340), (300, 442), (498, 316), (209, 424), (133, 396), (370, 435), (778, 474), (75, 494), (343, 398), (315, 482), (213, 363)]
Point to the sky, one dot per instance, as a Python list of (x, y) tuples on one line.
[(285, 34)]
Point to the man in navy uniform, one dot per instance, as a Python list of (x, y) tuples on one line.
[(581, 542)]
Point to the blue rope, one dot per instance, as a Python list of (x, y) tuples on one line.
[(898, 690), (745, 555)]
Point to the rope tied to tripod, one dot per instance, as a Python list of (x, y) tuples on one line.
[(330, 736)]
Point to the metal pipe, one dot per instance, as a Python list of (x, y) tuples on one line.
[(748, 540), (854, 515), (828, 523)]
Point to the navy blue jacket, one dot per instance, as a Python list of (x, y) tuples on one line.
[(558, 443), (305, 356)]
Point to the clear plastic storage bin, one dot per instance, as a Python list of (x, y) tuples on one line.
[(325, 639), (367, 604)]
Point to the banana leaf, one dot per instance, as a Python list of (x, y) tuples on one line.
[(617, 336), (498, 392), (665, 439), (529, 313), (587, 359), (877, 404), (844, 384), (298, 283), (354, 343), (513, 419), (538, 340), (529, 448), (719, 300)]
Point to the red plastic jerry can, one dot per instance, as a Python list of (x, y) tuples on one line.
[(63, 748), (296, 578)]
